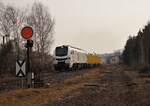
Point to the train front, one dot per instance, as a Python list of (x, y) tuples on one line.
[(62, 59)]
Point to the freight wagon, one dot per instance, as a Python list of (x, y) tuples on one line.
[(93, 60)]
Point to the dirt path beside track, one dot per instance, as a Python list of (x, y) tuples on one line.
[(117, 87)]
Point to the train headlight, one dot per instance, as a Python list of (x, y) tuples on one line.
[(55, 61), (67, 60)]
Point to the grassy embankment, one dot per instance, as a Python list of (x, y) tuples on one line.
[(52, 93)]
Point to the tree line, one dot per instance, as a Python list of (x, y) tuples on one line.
[(12, 20), (137, 49)]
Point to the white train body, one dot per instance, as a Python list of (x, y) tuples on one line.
[(68, 57)]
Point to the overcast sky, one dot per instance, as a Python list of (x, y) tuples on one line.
[(99, 26)]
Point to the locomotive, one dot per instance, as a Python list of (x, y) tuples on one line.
[(72, 58)]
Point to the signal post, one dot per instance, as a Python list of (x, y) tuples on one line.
[(27, 33)]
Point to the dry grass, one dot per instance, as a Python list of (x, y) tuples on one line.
[(43, 96), (7, 77), (84, 77), (34, 97)]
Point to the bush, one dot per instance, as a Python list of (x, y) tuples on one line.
[(7, 58)]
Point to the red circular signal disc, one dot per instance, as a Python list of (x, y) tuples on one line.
[(27, 32)]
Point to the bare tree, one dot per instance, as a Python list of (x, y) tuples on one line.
[(43, 25), (11, 20), (4, 23)]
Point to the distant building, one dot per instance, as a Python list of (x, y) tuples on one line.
[(105, 58), (112, 58), (115, 58)]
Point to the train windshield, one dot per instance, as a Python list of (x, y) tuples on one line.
[(61, 51)]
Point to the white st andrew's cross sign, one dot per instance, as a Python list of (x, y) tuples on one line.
[(20, 68)]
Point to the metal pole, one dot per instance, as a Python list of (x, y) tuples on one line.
[(28, 65), (3, 40), (28, 59), (22, 82)]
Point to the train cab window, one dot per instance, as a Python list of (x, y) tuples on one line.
[(61, 51)]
